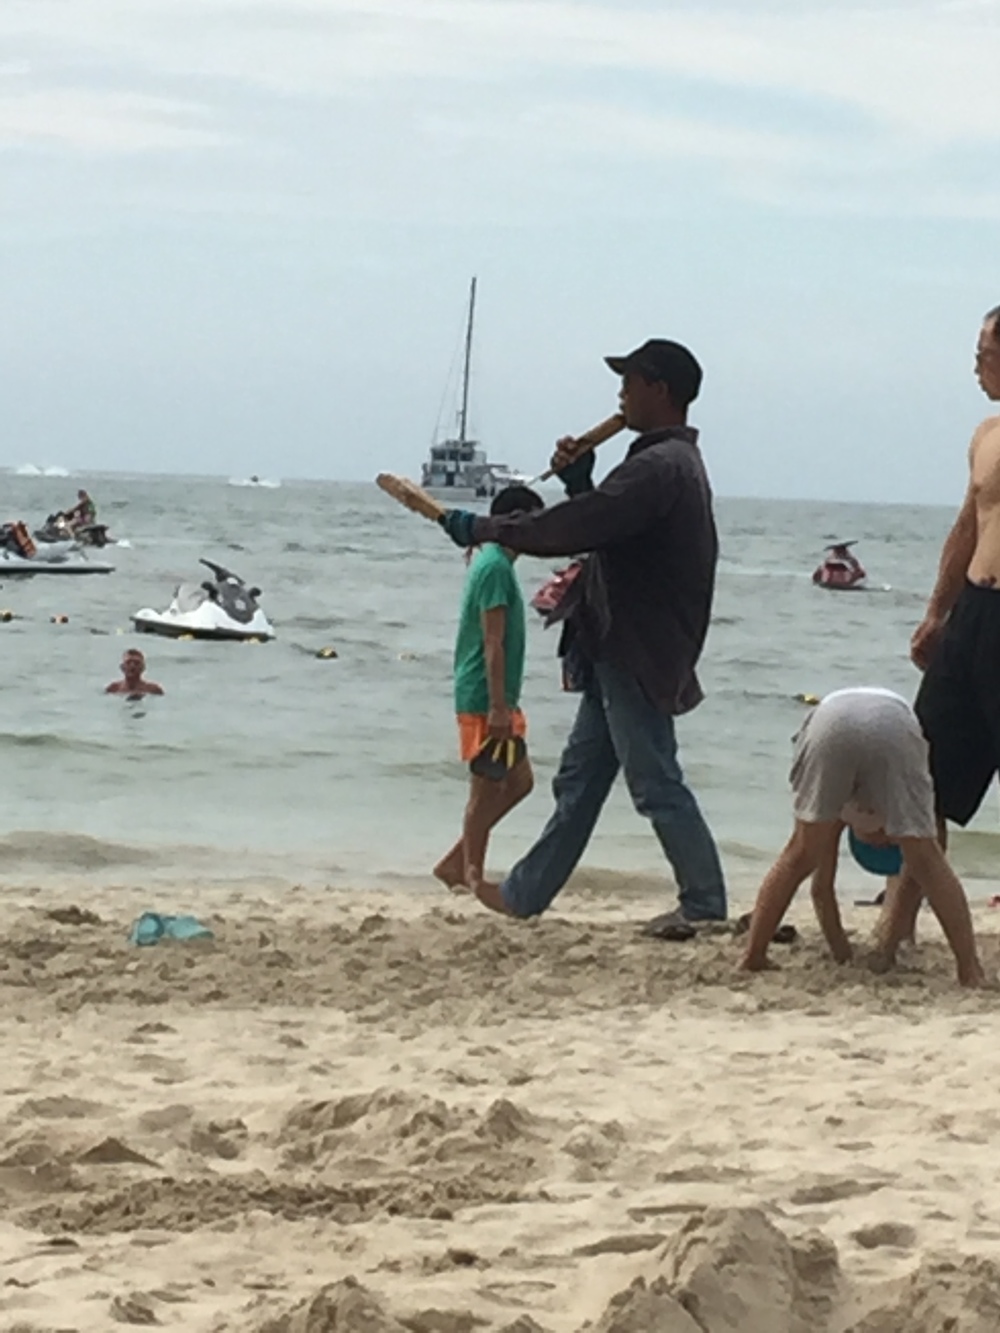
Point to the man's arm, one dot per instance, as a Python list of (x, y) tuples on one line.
[(494, 623), (824, 900), (623, 505), (956, 556)]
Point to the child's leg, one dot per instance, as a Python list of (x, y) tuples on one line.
[(924, 859), (488, 803), (799, 858), (450, 870), (824, 897), (898, 919)]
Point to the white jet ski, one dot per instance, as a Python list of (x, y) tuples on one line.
[(222, 607), (57, 558)]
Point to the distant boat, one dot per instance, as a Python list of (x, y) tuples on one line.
[(33, 470), (263, 482), (458, 469)]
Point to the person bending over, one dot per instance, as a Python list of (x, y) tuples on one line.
[(860, 762)]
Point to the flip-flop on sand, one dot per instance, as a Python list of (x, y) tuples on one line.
[(783, 935), (877, 901), (673, 925), (669, 926)]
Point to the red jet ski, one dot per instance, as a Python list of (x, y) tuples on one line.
[(840, 571)]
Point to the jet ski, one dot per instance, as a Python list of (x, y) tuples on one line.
[(222, 607), (840, 571), (58, 528), (20, 556)]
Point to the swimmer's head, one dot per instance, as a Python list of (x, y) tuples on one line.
[(133, 664)]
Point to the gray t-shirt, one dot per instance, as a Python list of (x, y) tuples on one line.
[(861, 757)]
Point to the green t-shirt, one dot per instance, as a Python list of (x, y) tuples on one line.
[(491, 582)]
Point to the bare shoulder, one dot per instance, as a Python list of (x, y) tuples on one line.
[(984, 467), (987, 429)]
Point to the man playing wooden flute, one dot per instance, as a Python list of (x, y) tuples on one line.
[(634, 623)]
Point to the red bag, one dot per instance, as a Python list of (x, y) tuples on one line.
[(550, 595)]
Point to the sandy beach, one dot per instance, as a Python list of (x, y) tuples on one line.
[(378, 1111)]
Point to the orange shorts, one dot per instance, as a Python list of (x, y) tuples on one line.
[(473, 732)]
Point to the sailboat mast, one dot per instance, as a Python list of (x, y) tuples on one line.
[(463, 419)]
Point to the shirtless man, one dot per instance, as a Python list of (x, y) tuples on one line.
[(957, 645), (133, 686)]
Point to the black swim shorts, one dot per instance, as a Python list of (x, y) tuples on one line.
[(958, 704)]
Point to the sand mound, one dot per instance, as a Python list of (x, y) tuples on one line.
[(732, 1271), (342, 1307), (727, 1270), (391, 1131), (646, 1308), (957, 1295), (737, 1273)]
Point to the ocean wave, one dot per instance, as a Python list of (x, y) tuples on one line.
[(33, 470), (53, 740), (70, 851), (744, 854), (313, 622), (974, 853)]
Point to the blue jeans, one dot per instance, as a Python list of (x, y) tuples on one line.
[(616, 728)]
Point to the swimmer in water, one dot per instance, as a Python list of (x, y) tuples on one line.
[(133, 686)]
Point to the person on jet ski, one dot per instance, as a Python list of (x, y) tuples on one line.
[(83, 513), (133, 686), (841, 553), (841, 563)]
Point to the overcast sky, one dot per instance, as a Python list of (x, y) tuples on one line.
[(237, 235)]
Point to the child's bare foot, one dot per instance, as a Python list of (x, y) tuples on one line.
[(490, 896), (450, 870), (754, 963)]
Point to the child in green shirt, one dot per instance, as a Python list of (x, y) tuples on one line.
[(489, 671)]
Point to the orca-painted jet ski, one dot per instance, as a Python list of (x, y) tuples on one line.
[(222, 607)]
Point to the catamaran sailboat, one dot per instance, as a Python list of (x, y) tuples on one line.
[(458, 469)]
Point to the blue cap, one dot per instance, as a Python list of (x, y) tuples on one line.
[(882, 860)]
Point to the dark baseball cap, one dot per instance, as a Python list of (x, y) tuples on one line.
[(661, 359)]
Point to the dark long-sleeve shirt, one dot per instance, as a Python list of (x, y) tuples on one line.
[(645, 597)]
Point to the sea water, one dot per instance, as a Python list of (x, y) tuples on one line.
[(267, 760)]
